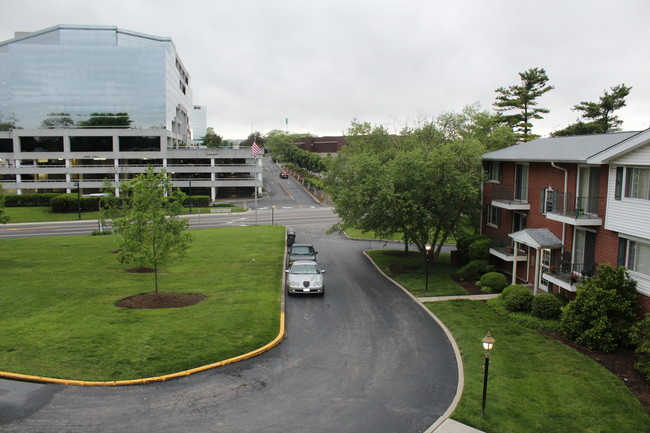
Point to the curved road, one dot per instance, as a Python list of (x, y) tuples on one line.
[(363, 358)]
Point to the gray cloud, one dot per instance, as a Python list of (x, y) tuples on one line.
[(322, 63)]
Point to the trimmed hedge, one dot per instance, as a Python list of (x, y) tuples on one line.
[(29, 200), (547, 306), (72, 203), (517, 298), (197, 201), (493, 282)]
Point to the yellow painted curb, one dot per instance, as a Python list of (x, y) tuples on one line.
[(255, 352)]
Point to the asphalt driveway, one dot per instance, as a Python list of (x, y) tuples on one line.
[(363, 358)]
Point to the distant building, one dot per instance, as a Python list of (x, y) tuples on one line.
[(323, 145), (79, 104), (199, 123)]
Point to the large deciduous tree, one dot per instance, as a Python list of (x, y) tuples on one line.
[(150, 232), (417, 182), (598, 117), (212, 139), (522, 98)]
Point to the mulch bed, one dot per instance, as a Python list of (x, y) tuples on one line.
[(160, 300)]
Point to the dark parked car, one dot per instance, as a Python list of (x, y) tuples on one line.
[(291, 236), (284, 175), (301, 252)]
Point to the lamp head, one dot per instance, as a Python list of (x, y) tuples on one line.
[(488, 342)]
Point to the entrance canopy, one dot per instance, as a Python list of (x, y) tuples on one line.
[(537, 238)]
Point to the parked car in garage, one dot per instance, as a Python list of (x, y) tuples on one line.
[(301, 252), (306, 277)]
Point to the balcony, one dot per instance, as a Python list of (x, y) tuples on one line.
[(504, 197), (572, 209), (502, 248), (568, 275)]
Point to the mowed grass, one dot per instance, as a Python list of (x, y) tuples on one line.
[(536, 384), (410, 272), (58, 317)]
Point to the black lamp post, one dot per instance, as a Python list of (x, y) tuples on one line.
[(427, 247), (190, 180), (78, 199), (488, 345)]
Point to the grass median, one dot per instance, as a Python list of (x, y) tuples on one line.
[(536, 383), (58, 315)]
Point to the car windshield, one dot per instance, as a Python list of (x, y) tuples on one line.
[(306, 269), (305, 251)]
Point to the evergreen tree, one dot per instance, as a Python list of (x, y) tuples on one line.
[(523, 98)]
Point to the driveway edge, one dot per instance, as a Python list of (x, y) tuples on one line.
[(459, 359)]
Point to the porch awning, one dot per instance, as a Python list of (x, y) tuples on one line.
[(537, 238)]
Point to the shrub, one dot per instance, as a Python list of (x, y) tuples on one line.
[(517, 298), (643, 347), (479, 249), (547, 306), (71, 203), (462, 246), (524, 319), (474, 269), (493, 282), (603, 313), (27, 200), (197, 201)]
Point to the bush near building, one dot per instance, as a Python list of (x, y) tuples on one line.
[(493, 282), (604, 312), (517, 298)]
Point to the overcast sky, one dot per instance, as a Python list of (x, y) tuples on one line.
[(323, 63)]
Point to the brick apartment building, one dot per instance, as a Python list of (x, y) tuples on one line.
[(557, 208)]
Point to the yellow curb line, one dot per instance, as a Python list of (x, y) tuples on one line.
[(255, 352)]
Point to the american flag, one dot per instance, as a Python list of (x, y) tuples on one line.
[(255, 149)]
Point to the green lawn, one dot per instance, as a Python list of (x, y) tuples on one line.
[(58, 317), (45, 214), (410, 272), (536, 384)]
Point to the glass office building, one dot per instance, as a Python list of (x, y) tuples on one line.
[(81, 104), (65, 76)]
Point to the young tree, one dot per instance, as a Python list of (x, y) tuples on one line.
[(150, 232), (597, 117), (523, 98)]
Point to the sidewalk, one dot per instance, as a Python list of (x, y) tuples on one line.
[(451, 426)]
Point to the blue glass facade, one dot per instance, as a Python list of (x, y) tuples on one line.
[(64, 76)]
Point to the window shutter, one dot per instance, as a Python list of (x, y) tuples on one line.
[(619, 183)]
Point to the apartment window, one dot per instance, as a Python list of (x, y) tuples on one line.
[(638, 257), (518, 221), (521, 182), (495, 171), (637, 183), (493, 216)]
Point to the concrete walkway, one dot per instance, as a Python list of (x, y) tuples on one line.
[(449, 425)]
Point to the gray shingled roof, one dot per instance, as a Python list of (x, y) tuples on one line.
[(559, 149), (537, 238)]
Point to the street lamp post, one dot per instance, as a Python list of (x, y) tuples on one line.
[(190, 181), (78, 199), (273, 215), (427, 247), (488, 345)]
